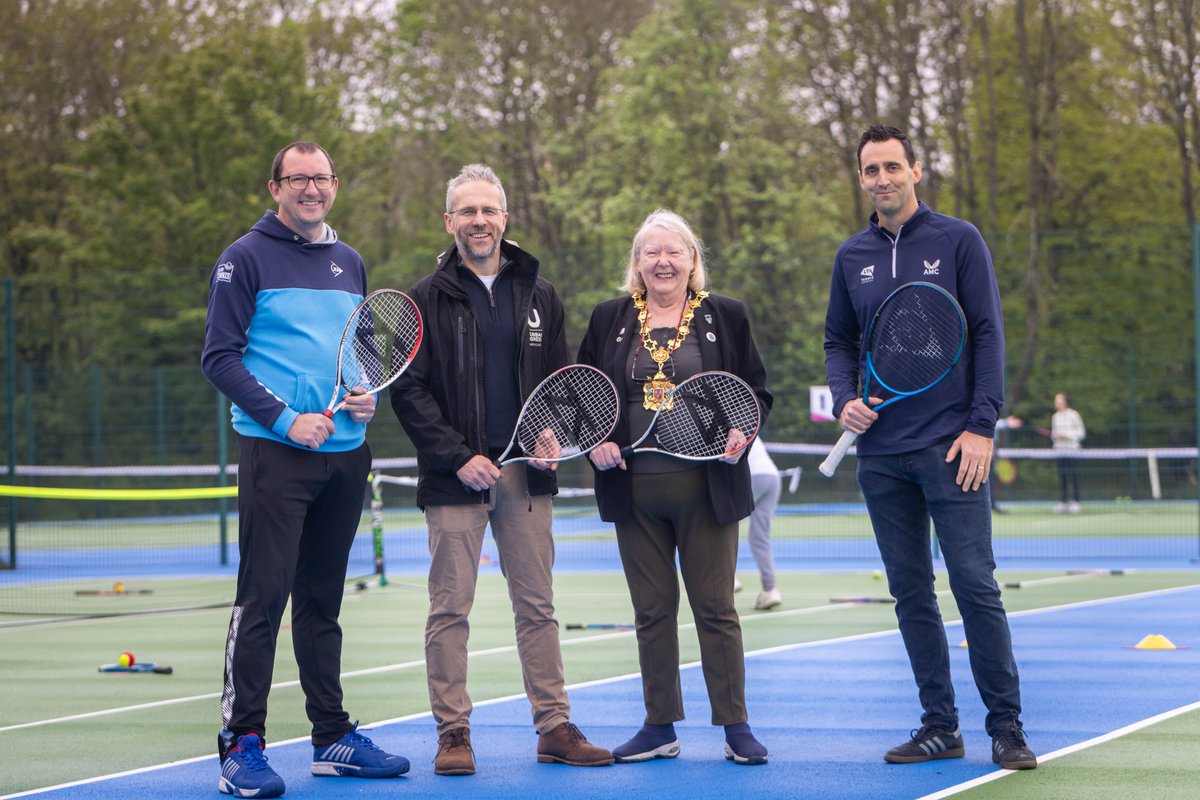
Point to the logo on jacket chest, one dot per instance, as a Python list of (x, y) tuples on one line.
[(335, 269), (931, 269), (866, 274), (535, 328)]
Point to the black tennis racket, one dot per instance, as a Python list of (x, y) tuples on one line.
[(570, 412), (916, 337), (378, 343), (699, 418)]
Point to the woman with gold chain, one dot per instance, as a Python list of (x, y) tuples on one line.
[(666, 328)]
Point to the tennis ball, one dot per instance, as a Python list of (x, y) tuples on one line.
[(126, 659), (119, 587), (877, 575)]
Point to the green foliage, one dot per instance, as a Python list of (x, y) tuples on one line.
[(137, 136)]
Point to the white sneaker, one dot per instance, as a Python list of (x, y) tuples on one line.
[(1060, 508), (766, 600), (1075, 508), (737, 585)]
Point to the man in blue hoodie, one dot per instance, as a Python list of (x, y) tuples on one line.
[(929, 457), (279, 299)]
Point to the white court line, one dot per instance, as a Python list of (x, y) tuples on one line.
[(1074, 748), (375, 671), (615, 679), (585, 640)]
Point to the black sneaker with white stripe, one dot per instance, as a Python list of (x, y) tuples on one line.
[(927, 743), (1010, 750)]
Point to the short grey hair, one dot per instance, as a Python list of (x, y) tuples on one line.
[(470, 174), (672, 223)]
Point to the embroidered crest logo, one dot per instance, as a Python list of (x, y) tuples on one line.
[(334, 268), (225, 272), (932, 269)]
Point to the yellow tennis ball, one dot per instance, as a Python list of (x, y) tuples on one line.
[(126, 659), (119, 587), (877, 575)]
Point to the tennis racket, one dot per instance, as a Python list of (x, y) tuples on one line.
[(696, 418), (137, 666), (915, 339), (570, 412), (599, 626), (378, 343)]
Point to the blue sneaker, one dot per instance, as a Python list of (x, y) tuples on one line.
[(741, 747), (354, 755), (652, 741), (245, 772)]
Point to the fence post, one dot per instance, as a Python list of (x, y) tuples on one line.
[(10, 368), (1196, 351)]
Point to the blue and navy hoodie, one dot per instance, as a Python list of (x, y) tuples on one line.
[(870, 265), (276, 309)]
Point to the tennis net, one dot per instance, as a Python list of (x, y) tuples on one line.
[(117, 541)]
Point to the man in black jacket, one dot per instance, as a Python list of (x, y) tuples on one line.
[(494, 331)]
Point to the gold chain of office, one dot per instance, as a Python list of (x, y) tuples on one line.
[(658, 388)]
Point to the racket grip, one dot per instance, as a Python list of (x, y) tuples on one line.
[(830, 464), (626, 452)]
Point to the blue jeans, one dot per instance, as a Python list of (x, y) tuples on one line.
[(903, 492)]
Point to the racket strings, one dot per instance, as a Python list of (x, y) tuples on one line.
[(707, 409), (571, 412), (916, 339), (387, 331)]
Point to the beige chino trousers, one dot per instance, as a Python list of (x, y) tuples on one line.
[(522, 530)]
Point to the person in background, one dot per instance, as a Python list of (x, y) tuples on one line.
[(928, 459), (279, 299), (664, 329), (764, 478), (1066, 437), (495, 330)]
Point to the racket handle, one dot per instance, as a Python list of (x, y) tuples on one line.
[(830, 464)]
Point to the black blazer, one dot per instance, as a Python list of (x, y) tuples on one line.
[(722, 328)]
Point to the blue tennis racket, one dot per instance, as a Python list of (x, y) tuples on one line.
[(916, 337)]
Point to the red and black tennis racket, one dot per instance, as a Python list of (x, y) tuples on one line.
[(916, 337), (699, 418), (570, 412), (378, 343)]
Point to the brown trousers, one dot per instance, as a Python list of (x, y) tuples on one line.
[(670, 515)]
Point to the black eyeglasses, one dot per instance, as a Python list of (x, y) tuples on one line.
[(300, 182)]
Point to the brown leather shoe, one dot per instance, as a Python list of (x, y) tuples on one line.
[(567, 745), (454, 755)]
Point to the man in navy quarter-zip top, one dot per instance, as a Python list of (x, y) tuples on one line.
[(928, 458)]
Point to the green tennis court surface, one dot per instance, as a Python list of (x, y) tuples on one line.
[(829, 719)]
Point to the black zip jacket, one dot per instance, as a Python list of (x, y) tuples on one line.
[(440, 400), (722, 328)]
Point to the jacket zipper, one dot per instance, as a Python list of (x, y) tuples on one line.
[(895, 244)]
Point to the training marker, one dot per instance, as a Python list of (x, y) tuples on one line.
[(1155, 641)]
